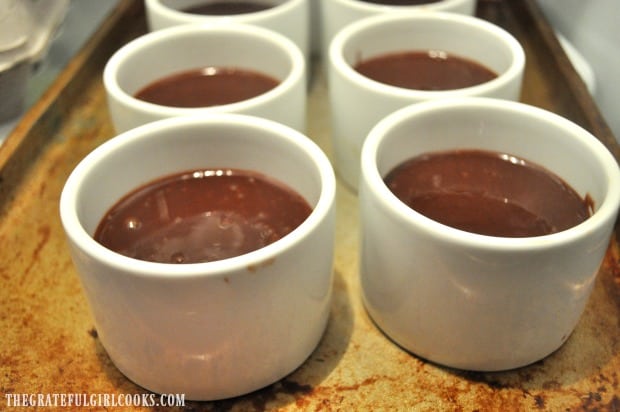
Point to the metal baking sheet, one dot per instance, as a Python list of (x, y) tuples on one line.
[(48, 342)]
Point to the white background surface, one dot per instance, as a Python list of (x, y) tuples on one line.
[(592, 27), (82, 19)]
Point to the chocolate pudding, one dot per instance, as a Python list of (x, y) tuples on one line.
[(228, 7), (425, 70), (488, 193), (201, 216), (210, 86), (401, 2)]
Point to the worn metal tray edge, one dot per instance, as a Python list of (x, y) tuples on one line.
[(36, 128)]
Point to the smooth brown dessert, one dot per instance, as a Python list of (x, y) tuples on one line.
[(425, 70), (201, 216), (488, 193), (209, 86), (228, 7), (401, 2)]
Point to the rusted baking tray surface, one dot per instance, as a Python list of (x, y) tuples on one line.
[(48, 343)]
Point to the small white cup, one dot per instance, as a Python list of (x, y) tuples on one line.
[(471, 301), (290, 18), (156, 55), (358, 102), (337, 14), (217, 329)]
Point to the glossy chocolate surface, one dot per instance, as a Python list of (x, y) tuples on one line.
[(228, 7), (401, 2), (209, 86), (488, 193), (200, 216), (425, 70)]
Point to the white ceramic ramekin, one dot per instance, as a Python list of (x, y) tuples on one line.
[(217, 329), (358, 103), (176, 49), (291, 18), (336, 14), (471, 301)]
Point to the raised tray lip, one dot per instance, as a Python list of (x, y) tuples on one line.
[(25, 142)]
